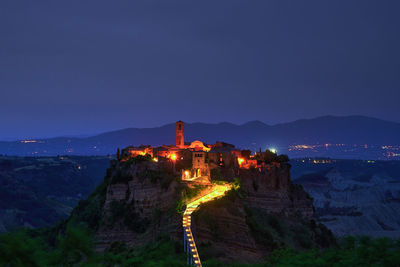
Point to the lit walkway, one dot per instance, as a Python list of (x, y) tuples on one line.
[(191, 178), (189, 244)]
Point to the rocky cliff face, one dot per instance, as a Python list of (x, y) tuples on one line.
[(137, 203), (272, 191), (268, 212)]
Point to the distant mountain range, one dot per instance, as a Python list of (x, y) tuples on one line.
[(350, 132)]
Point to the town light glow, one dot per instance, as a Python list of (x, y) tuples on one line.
[(155, 159), (273, 150), (173, 156), (240, 160)]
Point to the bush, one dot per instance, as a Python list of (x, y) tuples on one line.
[(355, 251), (187, 193), (136, 159), (75, 248), (19, 249), (90, 210)]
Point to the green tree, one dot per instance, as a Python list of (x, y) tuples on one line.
[(19, 249)]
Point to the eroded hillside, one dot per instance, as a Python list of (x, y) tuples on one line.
[(141, 200), (354, 197)]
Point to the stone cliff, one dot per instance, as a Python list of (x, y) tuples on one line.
[(137, 202), (268, 212), (271, 190), (134, 205)]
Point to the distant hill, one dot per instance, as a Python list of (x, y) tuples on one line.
[(36, 192), (351, 130)]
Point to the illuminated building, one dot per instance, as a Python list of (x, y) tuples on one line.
[(180, 134), (201, 157)]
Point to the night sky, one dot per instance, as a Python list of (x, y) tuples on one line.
[(84, 67)]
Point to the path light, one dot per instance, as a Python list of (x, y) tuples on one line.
[(219, 190)]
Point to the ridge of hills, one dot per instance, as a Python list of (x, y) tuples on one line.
[(352, 130)]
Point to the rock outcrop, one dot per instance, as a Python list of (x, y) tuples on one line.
[(271, 190), (139, 204), (268, 212), (138, 200)]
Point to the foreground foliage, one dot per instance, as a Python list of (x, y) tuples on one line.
[(75, 248), (352, 252)]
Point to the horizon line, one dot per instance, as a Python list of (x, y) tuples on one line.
[(83, 135)]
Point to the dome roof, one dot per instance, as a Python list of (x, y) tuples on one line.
[(198, 145)]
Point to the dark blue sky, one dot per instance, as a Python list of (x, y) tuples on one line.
[(83, 67)]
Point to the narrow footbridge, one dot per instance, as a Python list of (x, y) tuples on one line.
[(189, 243)]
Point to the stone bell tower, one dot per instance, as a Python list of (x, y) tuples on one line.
[(180, 134)]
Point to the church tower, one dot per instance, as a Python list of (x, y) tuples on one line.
[(180, 134)]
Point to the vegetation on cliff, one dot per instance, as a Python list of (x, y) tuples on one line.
[(275, 232), (269, 156), (186, 194), (89, 211)]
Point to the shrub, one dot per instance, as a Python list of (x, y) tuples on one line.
[(187, 193), (90, 210), (19, 249)]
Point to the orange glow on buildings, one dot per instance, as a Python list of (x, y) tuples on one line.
[(204, 157), (187, 174)]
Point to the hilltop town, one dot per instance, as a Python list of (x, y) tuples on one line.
[(196, 161)]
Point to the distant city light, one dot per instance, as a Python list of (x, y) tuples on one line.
[(173, 156)]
